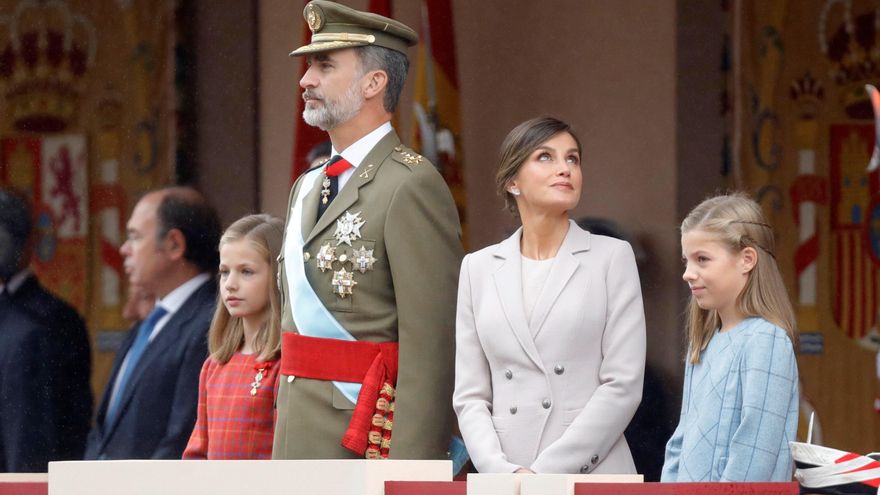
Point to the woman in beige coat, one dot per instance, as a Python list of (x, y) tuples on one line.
[(550, 330)]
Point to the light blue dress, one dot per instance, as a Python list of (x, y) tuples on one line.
[(739, 409)]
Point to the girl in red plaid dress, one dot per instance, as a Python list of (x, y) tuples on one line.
[(237, 384)]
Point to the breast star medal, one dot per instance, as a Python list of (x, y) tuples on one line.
[(343, 283), (348, 228), (363, 259), (325, 257)]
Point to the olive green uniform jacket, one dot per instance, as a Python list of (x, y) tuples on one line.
[(409, 296)]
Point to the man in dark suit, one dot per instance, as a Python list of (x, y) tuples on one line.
[(149, 407), (45, 363)]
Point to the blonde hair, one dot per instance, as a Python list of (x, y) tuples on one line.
[(226, 336), (737, 222)]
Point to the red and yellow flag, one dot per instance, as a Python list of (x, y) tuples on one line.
[(437, 116)]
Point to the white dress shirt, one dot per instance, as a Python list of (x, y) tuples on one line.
[(356, 153)]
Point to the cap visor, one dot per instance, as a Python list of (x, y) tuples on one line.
[(324, 46)]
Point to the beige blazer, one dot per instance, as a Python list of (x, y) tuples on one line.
[(557, 402)]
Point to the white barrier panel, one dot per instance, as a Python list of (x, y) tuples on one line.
[(326, 477), (24, 477), (539, 484)]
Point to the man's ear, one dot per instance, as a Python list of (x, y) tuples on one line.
[(175, 244), (374, 83)]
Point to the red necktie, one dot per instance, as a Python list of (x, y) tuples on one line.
[(336, 166)]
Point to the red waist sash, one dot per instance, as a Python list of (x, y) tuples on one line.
[(372, 364)]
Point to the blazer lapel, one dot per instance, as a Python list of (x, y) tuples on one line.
[(508, 284), (564, 267), (363, 175)]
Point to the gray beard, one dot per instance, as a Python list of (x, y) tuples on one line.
[(333, 113)]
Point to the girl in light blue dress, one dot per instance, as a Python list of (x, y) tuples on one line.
[(740, 401)]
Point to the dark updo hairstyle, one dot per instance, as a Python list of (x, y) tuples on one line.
[(519, 145)]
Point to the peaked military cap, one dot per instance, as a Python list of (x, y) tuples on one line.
[(336, 26)]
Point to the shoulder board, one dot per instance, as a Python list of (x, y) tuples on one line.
[(407, 156)]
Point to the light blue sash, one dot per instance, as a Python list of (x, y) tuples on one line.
[(311, 317)]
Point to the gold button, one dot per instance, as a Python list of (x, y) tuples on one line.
[(307, 256)]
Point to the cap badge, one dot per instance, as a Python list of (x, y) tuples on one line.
[(314, 18)]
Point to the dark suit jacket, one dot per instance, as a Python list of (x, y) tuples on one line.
[(158, 408), (45, 365)]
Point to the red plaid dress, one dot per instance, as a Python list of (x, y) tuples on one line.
[(232, 423)]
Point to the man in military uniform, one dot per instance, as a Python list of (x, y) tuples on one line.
[(370, 263)]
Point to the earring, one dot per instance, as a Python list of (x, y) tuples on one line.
[(514, 191)]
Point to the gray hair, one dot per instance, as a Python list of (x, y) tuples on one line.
[(393, 63)]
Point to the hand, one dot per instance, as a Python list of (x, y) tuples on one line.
[(523, 471)]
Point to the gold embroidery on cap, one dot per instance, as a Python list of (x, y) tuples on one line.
[(314, 18)]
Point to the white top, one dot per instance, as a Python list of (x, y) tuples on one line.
[(534, 276), (356, 153)]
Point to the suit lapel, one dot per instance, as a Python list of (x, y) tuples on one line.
[(508, 284), (363, 175), (164, 341), (564, 267)]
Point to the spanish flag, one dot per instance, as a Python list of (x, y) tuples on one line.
[(437, 120)]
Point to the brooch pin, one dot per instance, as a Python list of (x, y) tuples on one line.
[(348, 228)]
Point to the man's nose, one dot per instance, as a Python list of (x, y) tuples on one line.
[(308, 80)]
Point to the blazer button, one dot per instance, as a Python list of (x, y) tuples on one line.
[(508, 374), (585, 469), (306, 256), (513, 409), (559, 369), (594, 459), (546, 404)]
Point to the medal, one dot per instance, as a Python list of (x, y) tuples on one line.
[(325, 189), (260, 367), (325, 257), (348, 228), (343, 283), (363, 259)]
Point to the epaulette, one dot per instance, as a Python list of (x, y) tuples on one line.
[(407, 156)]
